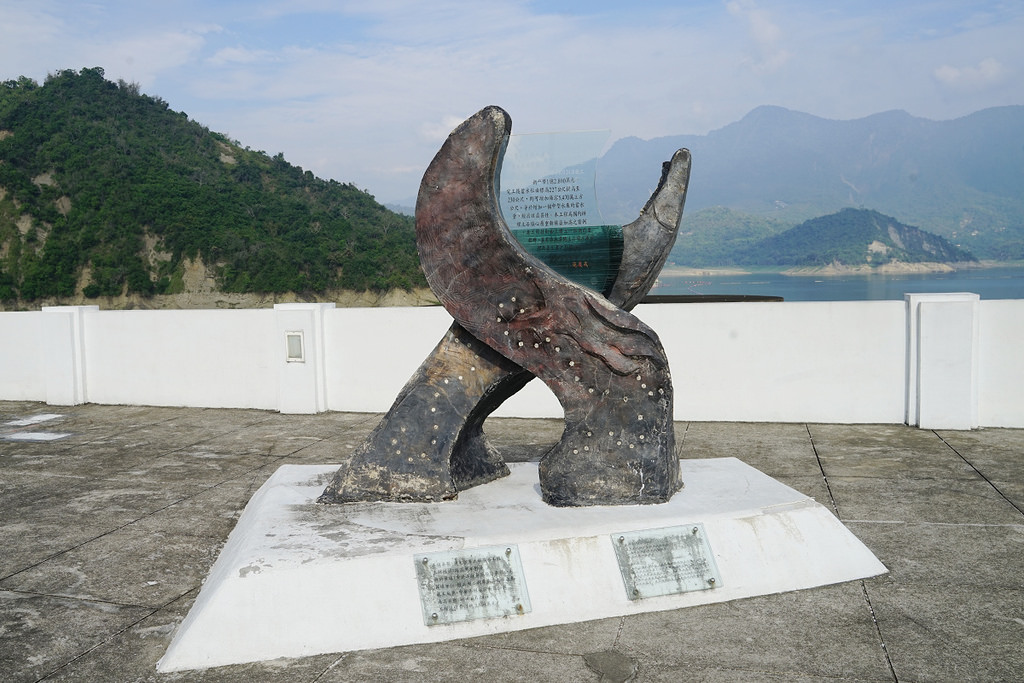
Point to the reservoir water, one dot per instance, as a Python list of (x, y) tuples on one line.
[(988, 283)]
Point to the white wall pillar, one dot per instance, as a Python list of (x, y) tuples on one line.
[(942, 360), (301, 357), (63, 354)]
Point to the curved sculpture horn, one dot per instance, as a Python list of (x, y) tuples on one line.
[(607, 368), (648, 240)]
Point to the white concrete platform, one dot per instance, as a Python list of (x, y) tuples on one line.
[(296, 578)]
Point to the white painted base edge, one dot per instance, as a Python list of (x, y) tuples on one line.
[(297, 579)]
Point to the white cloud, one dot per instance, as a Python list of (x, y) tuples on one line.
[(988, 72), (23, 32), (143, 58), (364, 92), (237, 55), (437, 131), (766, 35)]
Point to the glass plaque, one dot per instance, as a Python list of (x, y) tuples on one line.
[(548, 199), (665, 561), (478, 583)]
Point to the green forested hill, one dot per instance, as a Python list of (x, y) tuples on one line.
[(851, 237), (106, 191), (714, 236)]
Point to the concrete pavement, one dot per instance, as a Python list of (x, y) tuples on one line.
[(111, 516)]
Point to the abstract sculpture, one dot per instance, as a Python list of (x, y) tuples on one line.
[(515, 318)]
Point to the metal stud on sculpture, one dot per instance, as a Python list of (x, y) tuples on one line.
[(515, 318)]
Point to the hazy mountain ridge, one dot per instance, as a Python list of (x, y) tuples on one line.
[(960, 179), (106, 192)]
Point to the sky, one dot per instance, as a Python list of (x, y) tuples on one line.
[(365, 91)]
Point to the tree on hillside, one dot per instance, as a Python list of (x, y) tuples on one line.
[(103, 182)]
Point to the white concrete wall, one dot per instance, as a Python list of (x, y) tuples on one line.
[(21, 361), (208, 358), (945, 361), (942, 360), (374, 351), (784, 362), (1001, 363), (787, 362)]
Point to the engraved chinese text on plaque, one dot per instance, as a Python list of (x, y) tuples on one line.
[(665, 561), (478, 583), (549, 202)]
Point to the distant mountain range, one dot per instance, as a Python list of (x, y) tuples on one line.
[(774, 169)]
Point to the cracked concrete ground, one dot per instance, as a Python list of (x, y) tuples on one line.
[(111, 516)]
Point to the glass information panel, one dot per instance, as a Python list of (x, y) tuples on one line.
[(548, 199), (665, 561), (476, 583)]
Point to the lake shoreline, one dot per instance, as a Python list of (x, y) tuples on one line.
[(990, 281), (837, 270), (891, 268)]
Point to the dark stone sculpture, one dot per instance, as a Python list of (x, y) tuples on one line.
[(515, 318)]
